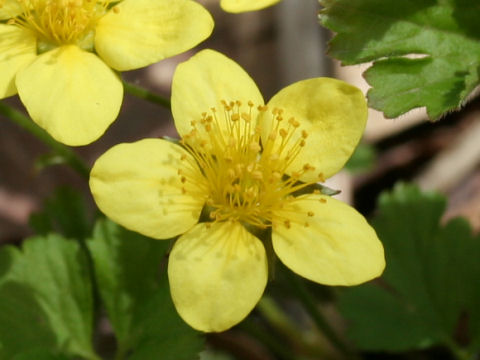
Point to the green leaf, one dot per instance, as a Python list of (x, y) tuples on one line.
[(130, 272), (65, 212), (441, 37), (45, 300), (431, 280), (362, 159)]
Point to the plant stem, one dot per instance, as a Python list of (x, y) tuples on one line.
[(65, 152), (457, 352), (310, 305), (280, 321), (145, 94)]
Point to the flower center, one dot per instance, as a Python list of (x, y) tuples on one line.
[(244, 164), (59, 22)]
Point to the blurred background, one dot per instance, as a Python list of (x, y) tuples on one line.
[(276, 46)]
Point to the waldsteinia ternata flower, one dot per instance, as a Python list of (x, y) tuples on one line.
[(242, 167)]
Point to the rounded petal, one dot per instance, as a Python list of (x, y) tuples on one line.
[(137, 33), (18, 47), (203, 81), (337, 247), (70, 93), (138, 186), (9, 9), (333, 114), (217, 274), (237, 6)]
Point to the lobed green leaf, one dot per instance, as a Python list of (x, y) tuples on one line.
[(425, 52)]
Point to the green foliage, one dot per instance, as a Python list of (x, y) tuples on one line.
[(64, 212), (134, 289), (431, 285), (362, 159), (444, 33), (46, 308)]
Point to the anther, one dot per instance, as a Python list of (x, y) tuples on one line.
[(283, 133), (246, 117), (323, 200), (310, 213), (293, 122), (287, 224), (304, 134), (235, 117), (321, 177)]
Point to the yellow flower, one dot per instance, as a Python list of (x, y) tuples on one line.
[(239, 167), (238, 6), (59, 55)]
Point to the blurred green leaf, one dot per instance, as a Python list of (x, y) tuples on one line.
[(363, 159), (131, 274), (431, 280), (441, 37), (65, 212), (46, 305)]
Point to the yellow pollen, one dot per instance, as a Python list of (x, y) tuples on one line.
[(245, 172), (60, 22)]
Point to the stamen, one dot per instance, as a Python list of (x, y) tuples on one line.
[(245, 172)]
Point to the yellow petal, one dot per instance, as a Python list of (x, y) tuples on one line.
[(217, 274), (237, 6), (334, 115), (70, 93), (203, 81), (337, 247), (138, 186), (9, 9), (137, 33), (18, 47)]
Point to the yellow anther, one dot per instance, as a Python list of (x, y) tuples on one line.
[(322, 200), (257, 175), (238, 103), (208, 127), (304, 134), (283, 133), (287, 224), (255, 147), (231, 174), (272, 136), (293, 122), (183, 179), (116, 9), (246, 117), (183, 157), (250, 103), (302, 143), (310, 213), (321, 177), (235, 117), (306, 224)]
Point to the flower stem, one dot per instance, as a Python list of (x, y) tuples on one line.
[(145, 94), (281, 322), (65, 152), (310, 305)]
